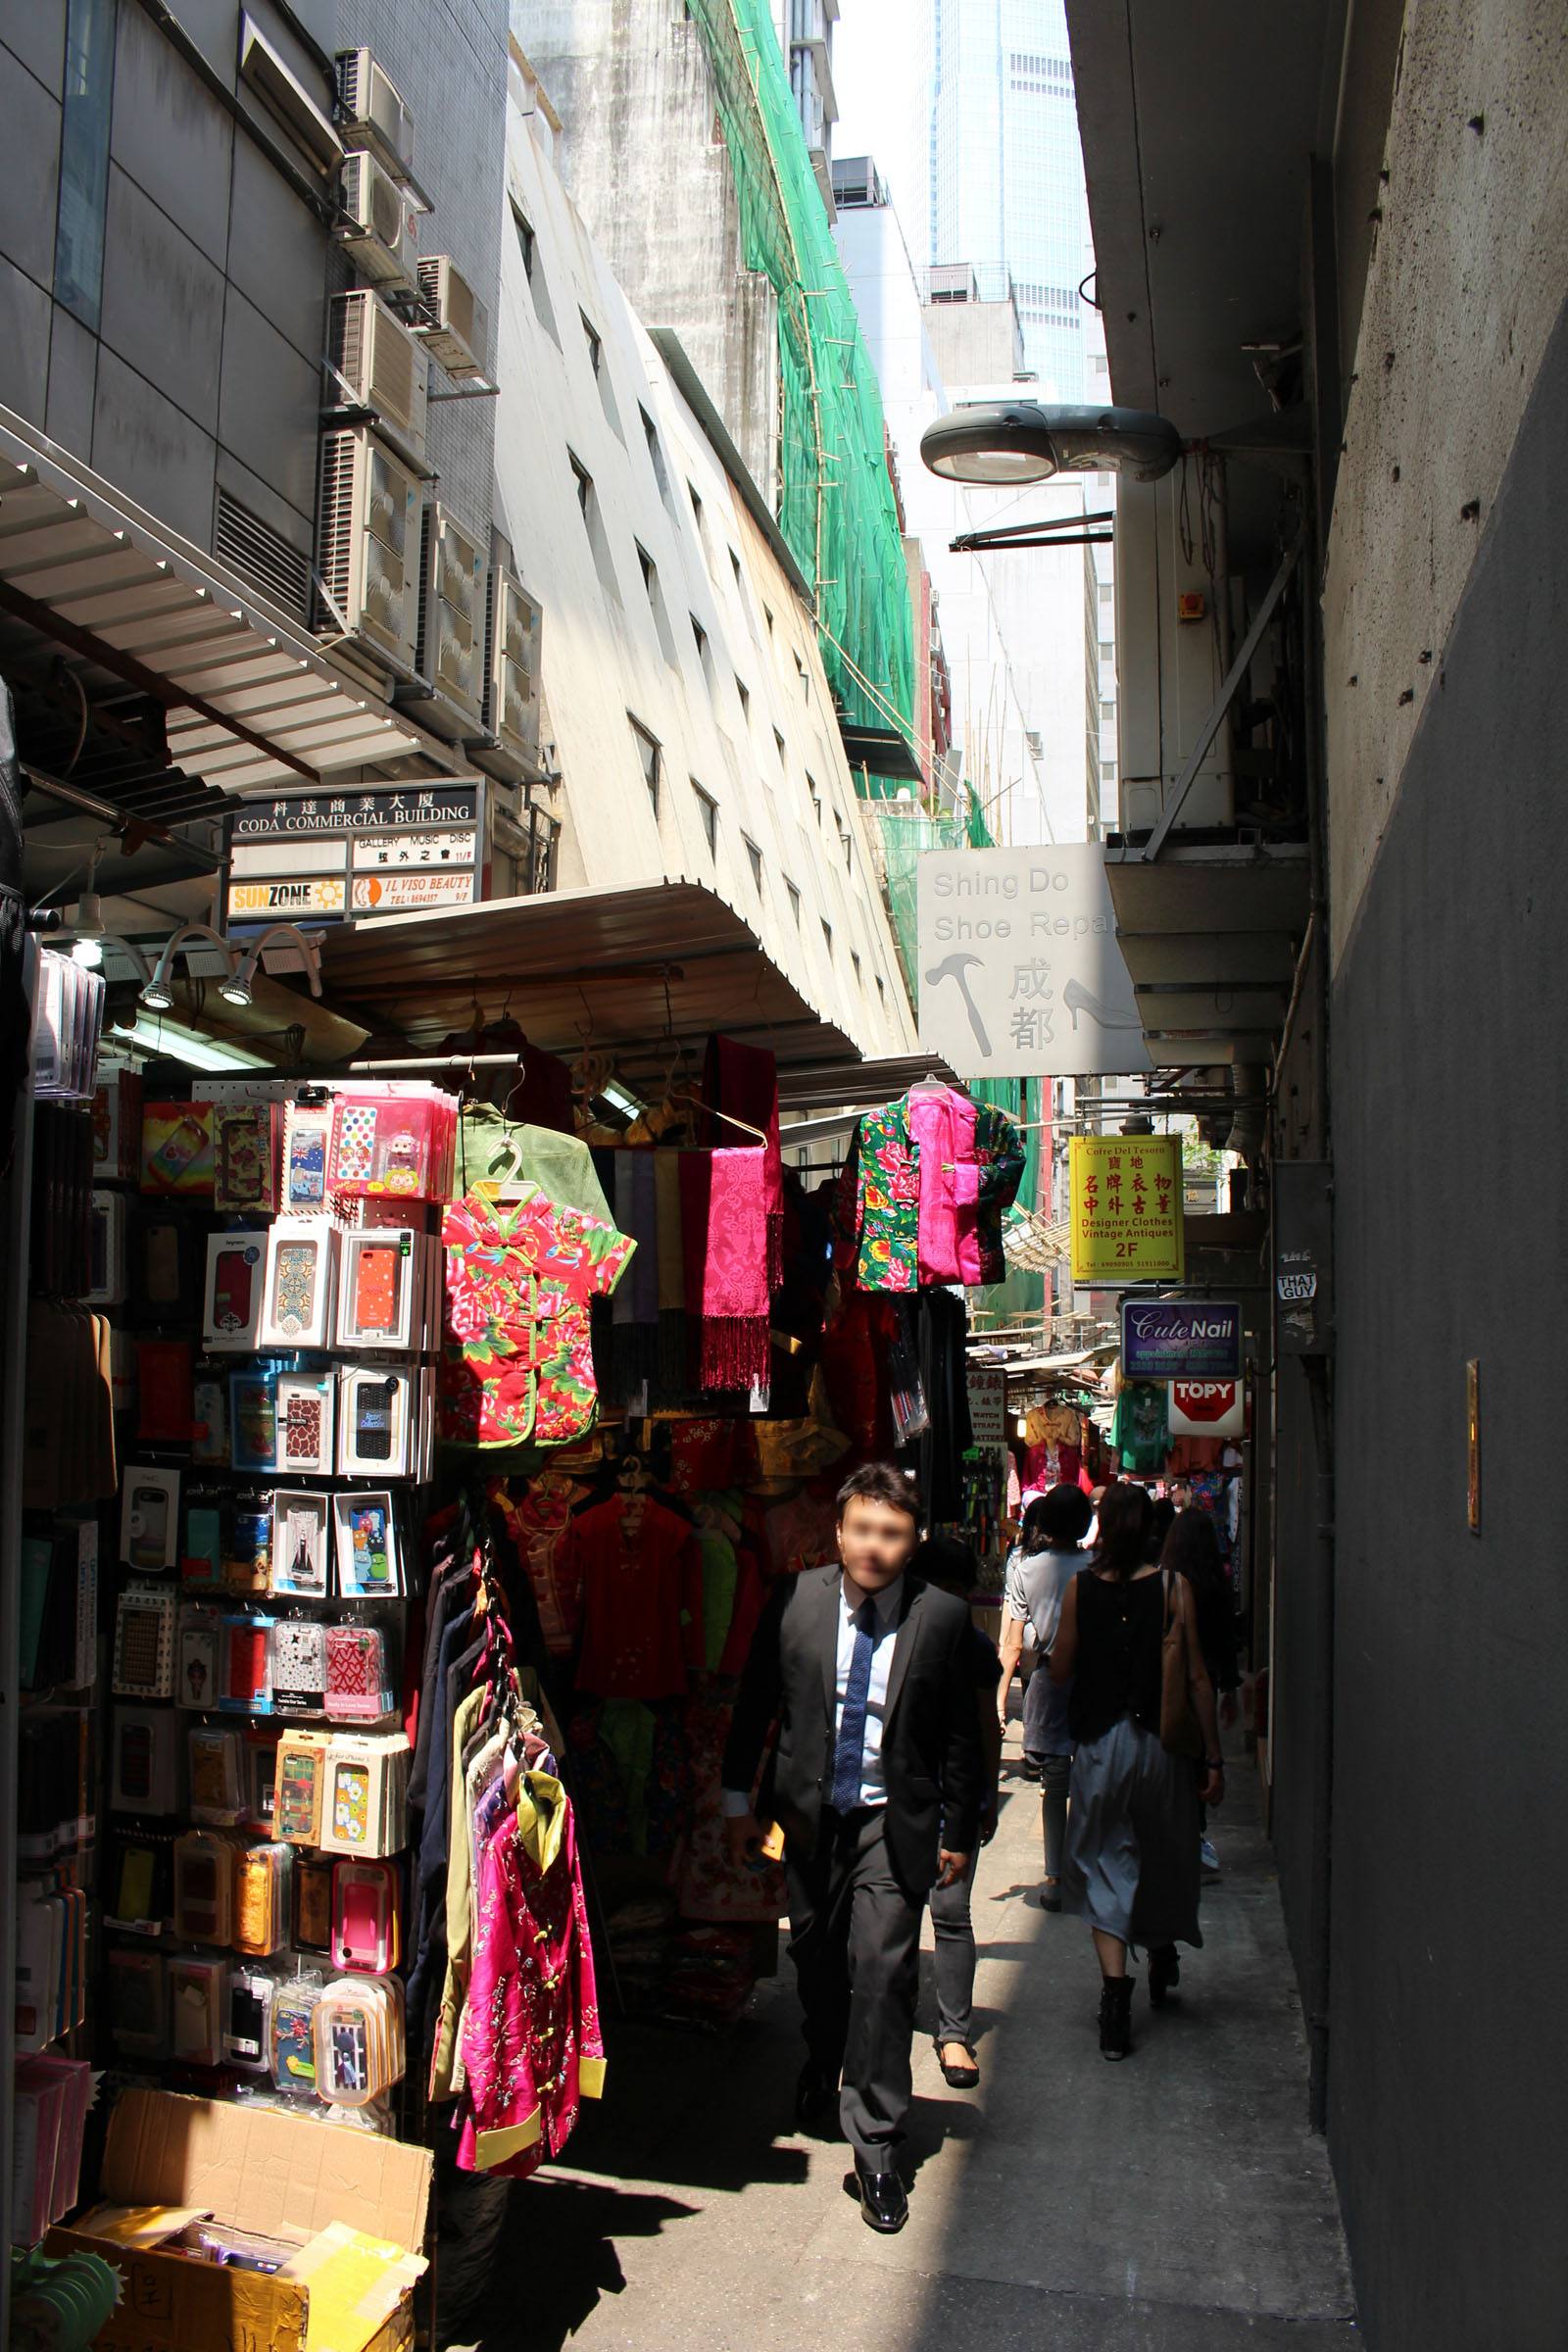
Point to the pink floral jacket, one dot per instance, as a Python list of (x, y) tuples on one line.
[(531, 2044)]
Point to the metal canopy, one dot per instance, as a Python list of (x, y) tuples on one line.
[(1210, 937), (628, 972), (135, 606)]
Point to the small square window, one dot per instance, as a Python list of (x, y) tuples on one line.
[(735, 567), (745, 693), (649, 752), (795, 900), (828, 937), (817, 796), (649, 570), (707, 811), (778, 745), (755, 856), (804, 677), (656, 455), (585, 484), (768, 617), (596, 349), (700, 635), (525, 241)]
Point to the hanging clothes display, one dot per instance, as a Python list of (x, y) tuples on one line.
[(724, 1208), (517, 1360), (924, 1191), (1139, 1434), (639, 1570), (740, 1089)]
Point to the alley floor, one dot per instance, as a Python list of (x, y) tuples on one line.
[(1172, 2203)]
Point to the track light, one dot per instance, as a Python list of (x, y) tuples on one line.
[(158, 993)]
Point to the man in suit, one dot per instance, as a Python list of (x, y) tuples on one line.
[(875, 1781)]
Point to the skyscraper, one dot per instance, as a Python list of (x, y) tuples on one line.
[(1007, 184)]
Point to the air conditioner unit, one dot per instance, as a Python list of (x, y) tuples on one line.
[(382, 366), (367, 545), (375, 115), (381, 232), (456, 329), (451, 645), (1168, 669), (511, 665)]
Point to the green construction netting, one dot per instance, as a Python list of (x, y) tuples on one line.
[(836, 507)]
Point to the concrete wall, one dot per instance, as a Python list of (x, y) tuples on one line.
[(1461, 293), (619, 648), (652, 182), (202, 369)]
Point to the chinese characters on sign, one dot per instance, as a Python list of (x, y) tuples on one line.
[(1126, 1208), (322, 855), (988, 1404)]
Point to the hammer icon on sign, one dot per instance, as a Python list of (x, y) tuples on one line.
[(957, 968)]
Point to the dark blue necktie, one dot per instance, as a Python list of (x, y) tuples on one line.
[(849, 1757)]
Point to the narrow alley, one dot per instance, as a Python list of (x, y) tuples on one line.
[(1172, 2203)]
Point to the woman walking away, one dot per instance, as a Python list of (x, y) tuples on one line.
[(1039, 1574), (1192, 1549), (1131, 1865), (943, 1560)]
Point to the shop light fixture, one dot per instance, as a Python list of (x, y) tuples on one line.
[(237, 989), (87, 948), (1006, 443), (158, 993), (172, 1040)]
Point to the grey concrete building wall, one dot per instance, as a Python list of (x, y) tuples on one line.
[(448, 59), (643, 165), (1450, 2044), (165, 320)]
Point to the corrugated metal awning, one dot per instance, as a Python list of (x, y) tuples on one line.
[(251, 700)]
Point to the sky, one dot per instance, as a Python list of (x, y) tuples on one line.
[(883, 106)]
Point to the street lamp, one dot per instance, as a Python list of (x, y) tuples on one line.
[(1008, 443)]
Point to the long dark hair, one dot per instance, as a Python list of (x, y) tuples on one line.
[(1056, 1519), (1125, 1511), (1192, 1549)]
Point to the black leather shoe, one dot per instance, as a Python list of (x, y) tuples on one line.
[(884, 2203), (816, 2102)]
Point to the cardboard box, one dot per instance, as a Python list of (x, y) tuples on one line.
[(272, 2175)]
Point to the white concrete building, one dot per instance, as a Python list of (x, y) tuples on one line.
[(687, 707)]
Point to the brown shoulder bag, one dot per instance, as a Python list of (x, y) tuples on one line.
[(1180, 1731)]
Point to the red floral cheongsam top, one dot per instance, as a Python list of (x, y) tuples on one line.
[(517, 1360), (531, 2047)]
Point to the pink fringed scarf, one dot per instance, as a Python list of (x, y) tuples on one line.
[(723, 1216), (743, 1080)]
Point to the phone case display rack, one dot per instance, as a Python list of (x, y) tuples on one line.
[(272, 1266)]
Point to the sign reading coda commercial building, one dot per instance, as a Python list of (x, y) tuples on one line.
[(1180, 1339), (335, 855), (1020, 974)]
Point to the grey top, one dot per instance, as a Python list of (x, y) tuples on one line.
[(1036, 1583)]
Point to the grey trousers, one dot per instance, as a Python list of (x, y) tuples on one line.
[(953, 1929), (855, 1939)]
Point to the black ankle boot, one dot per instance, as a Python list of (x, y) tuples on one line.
[(1164, 1973), (1116, 2017)]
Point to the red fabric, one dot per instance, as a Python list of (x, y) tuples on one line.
[(642, 1600), (537, 1524), (702, 1455), (749, 1594), (724, 1239), (743, 1080)]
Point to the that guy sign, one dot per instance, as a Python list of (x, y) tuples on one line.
[(1020, 974)]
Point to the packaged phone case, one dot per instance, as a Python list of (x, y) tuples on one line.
[(253, 1417), (200, 1638), (302, 1543), (248, 1553), (356, 1688), (375, 1421), (196, 1998), (358, 2053), (298, 1666), (107, 1252), (312, 1901), (306, 1139), (149, 1518), (245, 1140), (137, 2011), (176, 1148), (302, 1256), (365, 1916), (301, 1787), (365, 1793), (204, 1555), (248, 2017), (259, 1778), (380, 1289), (262, 1899), (392, 1143), (216, 1793), (293, 2037), (209, 1418), (304, 1423), (144, 1643), (203, 1887), (232, 1314), (368, 1557), (246, 1684), (143, 1765)]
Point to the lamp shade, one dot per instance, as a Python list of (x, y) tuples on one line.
[(1017, 441)]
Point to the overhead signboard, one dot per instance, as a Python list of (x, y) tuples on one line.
[(1207, 1408), (1020, 973), (988, 1404), (316, 853), (1180, 1339), (1126, 1210)]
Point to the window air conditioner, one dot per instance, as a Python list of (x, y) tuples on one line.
[(457, 329), (511, 665), (381, 364), (452, 616), (375, 115), (381, 233), (369, 546)]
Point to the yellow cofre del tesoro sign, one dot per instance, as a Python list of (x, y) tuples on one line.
[(1126, 1208)]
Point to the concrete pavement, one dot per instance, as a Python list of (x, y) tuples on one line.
[(1173, 2202)]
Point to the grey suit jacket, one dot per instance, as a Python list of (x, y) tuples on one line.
[(931, 1758)]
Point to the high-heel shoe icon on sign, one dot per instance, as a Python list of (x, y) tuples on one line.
[(1079, 998), (957, 968)]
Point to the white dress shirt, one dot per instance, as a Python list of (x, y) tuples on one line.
[(874, 1787)]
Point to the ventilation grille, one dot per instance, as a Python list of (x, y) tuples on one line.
[(263, 555), (335, 526)]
